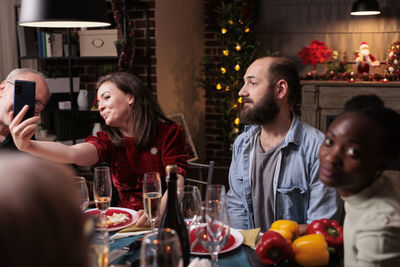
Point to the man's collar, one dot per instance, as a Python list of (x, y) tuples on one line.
[(293, 135)]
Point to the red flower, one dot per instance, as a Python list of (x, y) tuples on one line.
[(316, 53)]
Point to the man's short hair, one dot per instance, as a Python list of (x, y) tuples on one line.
[(282, 68), (19, 71)]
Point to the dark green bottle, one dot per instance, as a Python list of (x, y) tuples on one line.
[(172, 216)]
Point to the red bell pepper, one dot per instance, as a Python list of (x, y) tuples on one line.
[(273, 248), (330, 229)]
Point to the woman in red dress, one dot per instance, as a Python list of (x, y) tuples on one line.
[(137, 138)]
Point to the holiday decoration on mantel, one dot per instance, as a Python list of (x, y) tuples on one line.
[(222, 75), (338, 62), (393, 59), (337, 67), (350, 77), (316, 53), (364, 59)]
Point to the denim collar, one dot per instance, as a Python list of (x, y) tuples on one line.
[(292, 136)]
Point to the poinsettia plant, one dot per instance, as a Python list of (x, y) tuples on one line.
[(316, 53)]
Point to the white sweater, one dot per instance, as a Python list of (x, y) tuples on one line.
[(372, 225)]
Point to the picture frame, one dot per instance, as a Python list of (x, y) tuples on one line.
[(180, 119)]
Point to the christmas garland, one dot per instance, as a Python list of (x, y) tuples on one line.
[(222, 75), (350, 77)]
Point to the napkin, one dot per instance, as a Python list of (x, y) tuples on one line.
[(197, 262), (250, 236), (131, 231), (134, 228)]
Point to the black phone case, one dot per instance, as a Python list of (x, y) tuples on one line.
[(24, 94)]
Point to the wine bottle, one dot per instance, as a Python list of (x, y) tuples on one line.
[(173, 217)]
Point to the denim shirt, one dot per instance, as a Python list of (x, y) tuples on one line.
[(299, 195)]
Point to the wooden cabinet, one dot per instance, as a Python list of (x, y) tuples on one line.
[(322, 101)]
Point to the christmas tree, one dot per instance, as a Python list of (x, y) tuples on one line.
[(224, 73), (393, 59)]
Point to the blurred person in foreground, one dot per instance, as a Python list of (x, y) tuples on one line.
[(274, 170), (137, 138), (41, 223), (7, 101), (359, 145)]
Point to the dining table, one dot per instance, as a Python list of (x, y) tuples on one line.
[(242, 256)]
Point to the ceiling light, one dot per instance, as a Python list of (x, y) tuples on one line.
[(63, 14), (365, 7)]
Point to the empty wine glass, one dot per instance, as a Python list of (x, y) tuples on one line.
[(161, 248), (81, 186), (152, 196), (102, 190), (213, 228), (216, 192), (191, 202)]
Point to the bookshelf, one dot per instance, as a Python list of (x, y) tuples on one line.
[(34, 44), (72, 62)]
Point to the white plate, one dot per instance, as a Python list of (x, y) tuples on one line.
[(238, 241), (110, 211)]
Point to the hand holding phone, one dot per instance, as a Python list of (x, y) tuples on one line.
[(24, 94)]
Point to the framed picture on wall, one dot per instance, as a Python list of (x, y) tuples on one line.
[(179, 118)]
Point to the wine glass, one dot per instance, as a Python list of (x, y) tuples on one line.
[(161, 248), (81, 185), (216, 192), (99, 249), (213, 228), (191, 202), (152, 196), (102, 189)]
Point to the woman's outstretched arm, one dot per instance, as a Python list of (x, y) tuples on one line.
[(83, 154)]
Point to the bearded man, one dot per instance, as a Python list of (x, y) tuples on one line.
[(274, 169)]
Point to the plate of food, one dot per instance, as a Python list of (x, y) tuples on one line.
[(117, 218), (235, 239)]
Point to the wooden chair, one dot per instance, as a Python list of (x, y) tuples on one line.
[(196, 173)]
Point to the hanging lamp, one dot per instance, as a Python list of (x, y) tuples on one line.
[(63, 13), (365, 7)]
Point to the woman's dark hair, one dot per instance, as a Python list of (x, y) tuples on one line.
[(373, 108), (361, 102), (145, 111)]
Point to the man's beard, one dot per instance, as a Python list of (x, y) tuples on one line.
[(264, 112)]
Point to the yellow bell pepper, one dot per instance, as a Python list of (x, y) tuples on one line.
[(287, 228), (311, 250)]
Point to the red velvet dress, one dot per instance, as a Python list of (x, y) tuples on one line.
[(127, 164)]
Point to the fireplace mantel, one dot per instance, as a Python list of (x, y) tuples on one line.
[(322, 100)]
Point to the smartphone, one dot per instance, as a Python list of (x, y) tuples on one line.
[(24, 94)]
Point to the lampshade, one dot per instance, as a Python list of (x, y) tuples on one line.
[(63, 13), (365, 7)]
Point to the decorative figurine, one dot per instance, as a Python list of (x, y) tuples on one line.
[(364, 59)]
